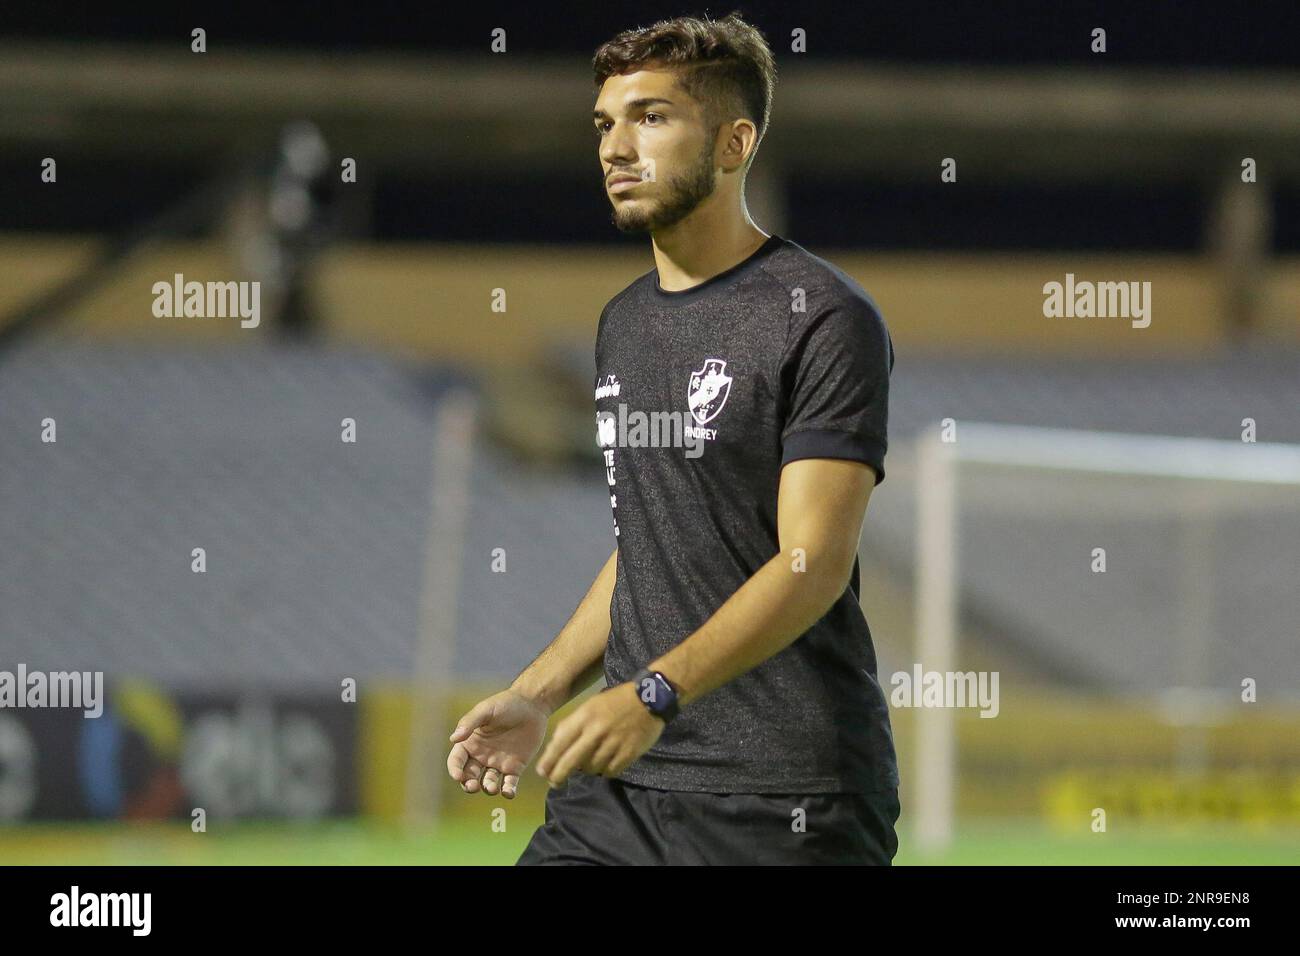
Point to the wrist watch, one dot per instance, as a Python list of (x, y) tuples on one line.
[(658, 695)]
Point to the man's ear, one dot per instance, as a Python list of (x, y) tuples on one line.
[(741, 136)]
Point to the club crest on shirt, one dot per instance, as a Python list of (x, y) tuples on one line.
[(708, 391)]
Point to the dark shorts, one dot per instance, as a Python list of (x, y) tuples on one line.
[(599, 822)]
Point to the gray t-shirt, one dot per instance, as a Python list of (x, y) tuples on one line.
[(779, 358)]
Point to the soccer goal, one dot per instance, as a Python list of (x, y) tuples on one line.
[(1135, 567)]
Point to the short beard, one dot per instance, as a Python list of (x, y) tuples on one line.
[(685, 193)]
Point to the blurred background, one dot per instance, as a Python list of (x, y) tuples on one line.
[(300, 542)]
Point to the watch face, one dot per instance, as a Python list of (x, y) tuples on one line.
[(655, 694)]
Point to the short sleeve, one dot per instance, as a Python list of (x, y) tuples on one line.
[(835, 384)]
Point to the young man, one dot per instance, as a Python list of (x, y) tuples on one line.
[(742, 721)]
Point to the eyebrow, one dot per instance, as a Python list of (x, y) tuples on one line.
[(634, 104)]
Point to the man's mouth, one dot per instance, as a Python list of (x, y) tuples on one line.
[(623, 181)]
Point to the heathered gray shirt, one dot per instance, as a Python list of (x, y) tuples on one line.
[(781, 357)]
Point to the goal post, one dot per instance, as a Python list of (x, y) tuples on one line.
[(1191, 466), (435, 653)]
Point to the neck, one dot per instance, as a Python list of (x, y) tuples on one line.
[(713, 238)]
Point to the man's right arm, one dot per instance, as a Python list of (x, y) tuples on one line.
[(576, 657), (494, 741)]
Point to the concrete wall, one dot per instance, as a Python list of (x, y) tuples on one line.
[(436, 300)]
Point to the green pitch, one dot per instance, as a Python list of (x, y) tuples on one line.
[(461, 843)]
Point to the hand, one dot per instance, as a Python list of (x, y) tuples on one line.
[(603, 736), (495, 741)]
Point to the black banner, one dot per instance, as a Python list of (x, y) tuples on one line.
[(909, 906)]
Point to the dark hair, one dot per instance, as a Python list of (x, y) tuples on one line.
[(725, 64)]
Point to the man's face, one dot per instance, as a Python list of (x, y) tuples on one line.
[(656, 150)]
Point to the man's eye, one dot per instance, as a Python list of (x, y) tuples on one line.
[(652, 118), (602, 129)]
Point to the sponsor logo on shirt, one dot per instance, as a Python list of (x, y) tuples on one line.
[(609, 387)]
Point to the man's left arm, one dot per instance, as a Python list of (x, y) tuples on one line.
[(820, 508)]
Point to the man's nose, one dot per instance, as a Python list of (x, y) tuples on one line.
[(616, 147)]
